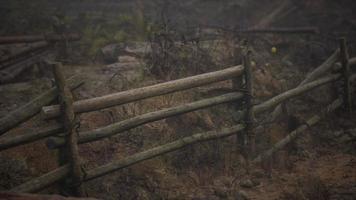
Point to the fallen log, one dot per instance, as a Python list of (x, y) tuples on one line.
[(11, 72), (146, 92), (24, 51), (34, 135), (30, 109), (36, 38), (125, 125), (294, 134)]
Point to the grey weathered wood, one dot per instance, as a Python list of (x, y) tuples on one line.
[(43, 181), (28, 49), (113, 129), (11, 72), (36, 38), (249, 106), (346, 72), (60, 173), (29, 136), (125, 125), (160, 150), (294, 134), (146, 92), (290, 30), (68, 118), (323, 69), (30, 109), (294, 92)]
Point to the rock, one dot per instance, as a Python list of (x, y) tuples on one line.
[(241, 195), (221, 192), (247, 183)]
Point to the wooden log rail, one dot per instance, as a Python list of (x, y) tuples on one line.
[(90, 136), (12, 141), (300, 30), (294, 134), (10, 73), (125, 125), (165, 88), (30, 109), (54, 176), (60, 173), (24, 51), (146, 92), (36, 38)]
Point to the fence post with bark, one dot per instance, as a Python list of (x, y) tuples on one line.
[(70, 152)]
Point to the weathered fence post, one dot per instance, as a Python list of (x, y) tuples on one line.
[(249, 104), (346, 72), (68, 118)]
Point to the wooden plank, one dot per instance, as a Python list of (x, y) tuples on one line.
[(33, 107), (66, 102), (146, 92), (125, 125)]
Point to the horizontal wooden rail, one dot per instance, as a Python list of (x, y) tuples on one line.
[(34, 135), (113, 129), (125, 125), (33, 107), (60, 173), (297, 30), (146, 92), (294, 92), (160, 150), (36, 38), (43, 181), (24, 51), (294, 134)]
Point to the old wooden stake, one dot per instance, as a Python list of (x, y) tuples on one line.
[(66, 100), (344, 56), (249, 105)]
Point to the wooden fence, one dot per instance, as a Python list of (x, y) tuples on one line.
[(240, 75)]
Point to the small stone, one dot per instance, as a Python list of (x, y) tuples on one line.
[(241, 195), (247, 183)]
